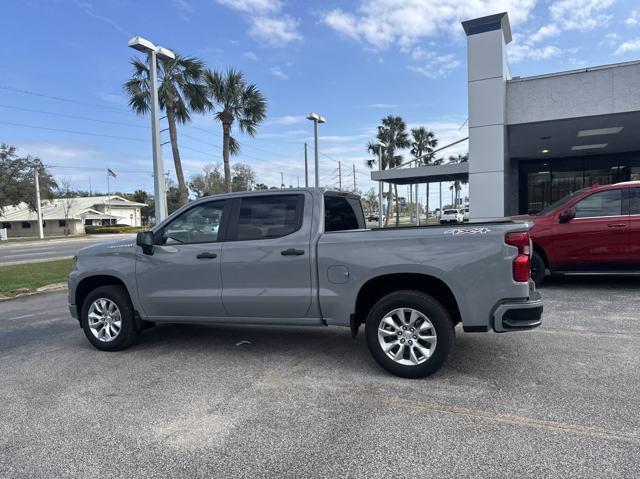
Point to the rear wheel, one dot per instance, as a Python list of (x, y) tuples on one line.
[(409, 333), (538, 268), (107, 318)]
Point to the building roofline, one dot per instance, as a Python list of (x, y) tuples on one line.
[(498, 21), (572, 72)]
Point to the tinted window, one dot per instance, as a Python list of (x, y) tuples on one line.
[(272, 216), (634, 198), (342, 213), (605, 203), (199, 224)]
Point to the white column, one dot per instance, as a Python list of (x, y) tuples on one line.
[(488, 73)]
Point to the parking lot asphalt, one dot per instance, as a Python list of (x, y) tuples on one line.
[(186, 401)]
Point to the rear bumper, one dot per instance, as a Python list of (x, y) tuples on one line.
[(518, 315)]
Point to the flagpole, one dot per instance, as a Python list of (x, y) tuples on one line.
[(108, 196)]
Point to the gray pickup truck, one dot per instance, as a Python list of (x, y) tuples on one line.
[(304, 257)]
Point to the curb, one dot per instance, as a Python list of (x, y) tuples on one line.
[(48, 288)]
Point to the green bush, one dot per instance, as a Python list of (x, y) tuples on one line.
[(98, 230)]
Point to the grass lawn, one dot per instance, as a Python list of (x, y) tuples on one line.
[(24, 278)]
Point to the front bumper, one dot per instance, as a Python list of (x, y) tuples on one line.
[(518, 315)]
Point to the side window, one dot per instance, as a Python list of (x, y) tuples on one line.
[(199, 224), (268, 216), (605, 203), (634, 201), (341, 214)]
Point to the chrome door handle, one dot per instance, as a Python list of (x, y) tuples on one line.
[(617, 225), (207, 255)]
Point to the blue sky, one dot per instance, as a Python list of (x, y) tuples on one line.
[(353, 62)]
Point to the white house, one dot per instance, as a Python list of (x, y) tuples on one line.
[(72, 215)]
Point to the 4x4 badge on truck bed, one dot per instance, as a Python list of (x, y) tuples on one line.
[(467, 231)]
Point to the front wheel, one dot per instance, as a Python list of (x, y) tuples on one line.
[(409, 333), (107, 318)]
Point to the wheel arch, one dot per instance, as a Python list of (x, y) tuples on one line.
[(379, 286), (88, 284), (543, 254)]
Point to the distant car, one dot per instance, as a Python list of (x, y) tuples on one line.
[(593, 230), (465, 214), (372, 217), (451, 216)]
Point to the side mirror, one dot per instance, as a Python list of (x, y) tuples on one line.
[(567, 215), (144, 239)]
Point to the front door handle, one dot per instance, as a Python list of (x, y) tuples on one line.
[(207, 255), (292, 252), (617, 225)]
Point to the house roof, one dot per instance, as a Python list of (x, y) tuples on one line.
[(76, 208)]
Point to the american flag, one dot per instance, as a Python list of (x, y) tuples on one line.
[(110, 172)]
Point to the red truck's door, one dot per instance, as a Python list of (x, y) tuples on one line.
[(598, 236), (634, 227)]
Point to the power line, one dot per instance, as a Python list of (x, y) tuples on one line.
[(76, 132), (58, 98), (64, 115)]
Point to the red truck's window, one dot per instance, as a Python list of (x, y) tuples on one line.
[(604, 203)]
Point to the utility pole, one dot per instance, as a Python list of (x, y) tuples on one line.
[(39, 206), (380, 146), (339, 176), (281, 179), (354, 177), (298, 181), (306, 167)]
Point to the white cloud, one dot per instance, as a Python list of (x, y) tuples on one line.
[(580, 14), (629, 46), (267, 23), (273, 31), (519, 51), (431, 64), (278, 73), (185, 9), (287, 120), (253, 6), (251, 56), (382, 23), (633, 19)]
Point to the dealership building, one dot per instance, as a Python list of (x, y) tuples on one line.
[(533, 140)]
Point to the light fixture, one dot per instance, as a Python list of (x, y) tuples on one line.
[(601, 131), (589, 147), (544, 152), (316, 117)]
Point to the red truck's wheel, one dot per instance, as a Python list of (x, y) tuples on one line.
[(409, 333), (538, 268)]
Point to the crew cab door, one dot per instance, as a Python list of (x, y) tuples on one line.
[(181, 279), (266, 260), (633, 195), (598, 236)]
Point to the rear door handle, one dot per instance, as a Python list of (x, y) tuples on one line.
[(292, 252), (617, 225), (207, 255)]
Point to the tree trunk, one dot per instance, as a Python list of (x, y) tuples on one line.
[(395, 188), (226, 131), (173, 136), (427, 205), (389, 203)]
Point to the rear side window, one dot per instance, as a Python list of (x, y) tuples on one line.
[(604, 203), (342, 213), (268, 216), (634, 201)]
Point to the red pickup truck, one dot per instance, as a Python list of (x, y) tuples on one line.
[(593, 230)]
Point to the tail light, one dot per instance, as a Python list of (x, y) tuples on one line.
[(522, 262)]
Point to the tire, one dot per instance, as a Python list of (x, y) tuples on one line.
[(126, 331), (438, 323), (538, 268)]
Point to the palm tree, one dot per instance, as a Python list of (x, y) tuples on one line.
[(422, 146), (235, 100), (393, 133), (457, 184), (180, 92)]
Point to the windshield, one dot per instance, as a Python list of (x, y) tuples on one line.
[(559, 202), (450, 212)]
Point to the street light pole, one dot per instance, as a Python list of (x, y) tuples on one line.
[(38, 204), (380, 147), (306, 167), (145, 46), (316, 119)]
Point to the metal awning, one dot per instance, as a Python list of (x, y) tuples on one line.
[(423, 174)]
